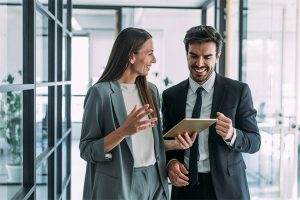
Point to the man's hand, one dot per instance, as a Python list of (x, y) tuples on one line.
[(177, 174), (184, 140), (224, 126)]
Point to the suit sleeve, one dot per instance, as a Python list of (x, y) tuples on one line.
[(92, 140), (248, 137), (156, 100), (167, 125)]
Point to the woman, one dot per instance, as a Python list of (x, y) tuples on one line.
[(125, 153)]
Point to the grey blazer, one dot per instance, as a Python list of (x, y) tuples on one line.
[(109, 175)]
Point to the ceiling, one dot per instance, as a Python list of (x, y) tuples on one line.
[(147, 3)]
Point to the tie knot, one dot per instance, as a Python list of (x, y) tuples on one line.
[(199, 91)]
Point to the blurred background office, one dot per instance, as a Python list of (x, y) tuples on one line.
[(51, 51)]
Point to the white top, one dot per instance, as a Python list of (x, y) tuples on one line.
[(142, 142)]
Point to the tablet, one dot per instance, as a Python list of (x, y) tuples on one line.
[(189, 125)]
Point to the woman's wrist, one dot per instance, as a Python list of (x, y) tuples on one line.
[(120, 133)]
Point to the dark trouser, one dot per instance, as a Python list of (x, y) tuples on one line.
[(204, 190)]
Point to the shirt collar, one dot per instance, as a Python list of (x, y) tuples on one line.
[(207, 86)]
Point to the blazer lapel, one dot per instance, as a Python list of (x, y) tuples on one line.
[(119, 108), (219, 92), (181, 100)]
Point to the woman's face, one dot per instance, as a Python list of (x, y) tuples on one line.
[(143, 59)]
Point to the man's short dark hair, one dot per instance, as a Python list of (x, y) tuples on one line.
[(201, 34)]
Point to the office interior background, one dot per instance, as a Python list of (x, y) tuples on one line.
[(52, 51)]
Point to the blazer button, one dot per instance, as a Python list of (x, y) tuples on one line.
[(157, 158), (108, 156)]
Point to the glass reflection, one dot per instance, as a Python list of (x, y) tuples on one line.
[(42, 181), (41, 47), (11, 41), (210, 18), (11, 143), (64, 115), (41, 119), (44, 3), (265, 63), (64, 160), (64, 50), (65, 12)]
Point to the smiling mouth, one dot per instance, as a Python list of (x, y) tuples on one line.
[(200, 69)]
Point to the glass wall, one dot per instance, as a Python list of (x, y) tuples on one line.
[(35, 99), (11, 102), (11, 143), (94, 33), (41, 47), (11, 42), (269, 66), (232, 39)]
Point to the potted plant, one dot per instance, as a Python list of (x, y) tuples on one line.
[(10, 129)]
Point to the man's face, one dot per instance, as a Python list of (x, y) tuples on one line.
[(201, 59)]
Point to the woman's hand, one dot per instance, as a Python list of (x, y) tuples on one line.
[(135, 123), (182, 141)]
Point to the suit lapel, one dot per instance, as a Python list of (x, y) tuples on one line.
[(219, 92), (180, 107), (181, 100), (119, 108)]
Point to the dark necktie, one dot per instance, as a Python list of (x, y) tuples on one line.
[(194, 152)]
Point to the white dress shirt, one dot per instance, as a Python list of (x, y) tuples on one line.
[(207, 98)]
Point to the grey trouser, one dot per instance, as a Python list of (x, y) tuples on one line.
[(146, 184)]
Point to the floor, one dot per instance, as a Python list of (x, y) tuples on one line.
[(78, 170), (259, 188)]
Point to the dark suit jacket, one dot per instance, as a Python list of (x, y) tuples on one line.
[(109, 175), (233, 99)]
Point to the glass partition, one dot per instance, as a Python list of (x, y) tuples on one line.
[(41, 47), (11, 42), (269, 64), (42, 181), (41, 119), (11, 143)]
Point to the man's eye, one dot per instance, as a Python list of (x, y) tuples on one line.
[(208, 57)]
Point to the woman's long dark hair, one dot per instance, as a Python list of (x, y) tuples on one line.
[(128, 42)]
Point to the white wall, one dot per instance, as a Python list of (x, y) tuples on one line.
[(173, 25)]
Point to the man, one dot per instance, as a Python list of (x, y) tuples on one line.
[(217, 169)]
